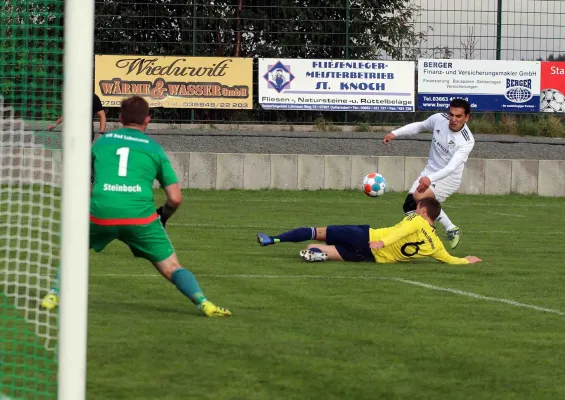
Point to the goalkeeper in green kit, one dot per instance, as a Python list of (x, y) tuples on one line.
[(126, 162)]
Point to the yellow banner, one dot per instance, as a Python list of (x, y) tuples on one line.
[(175, 82)]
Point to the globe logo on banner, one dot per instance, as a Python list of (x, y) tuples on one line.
[(279, 76), (518, 90)]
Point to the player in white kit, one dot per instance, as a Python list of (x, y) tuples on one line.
[(452, 142)]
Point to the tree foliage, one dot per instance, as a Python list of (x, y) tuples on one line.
[(258, 28), (556, 57), (31, 48)]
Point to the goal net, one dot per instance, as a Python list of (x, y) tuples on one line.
[(31, 75)]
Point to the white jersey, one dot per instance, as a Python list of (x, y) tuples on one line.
[(449, 150)]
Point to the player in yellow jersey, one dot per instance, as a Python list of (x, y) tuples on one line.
[(414, 237)]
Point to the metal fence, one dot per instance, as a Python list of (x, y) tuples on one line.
[(352, 29)]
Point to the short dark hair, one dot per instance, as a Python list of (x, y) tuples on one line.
[(134, 110), (432, 206), (461, 103)]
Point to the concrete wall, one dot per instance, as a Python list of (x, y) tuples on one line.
[(311, 172), (314, 172)]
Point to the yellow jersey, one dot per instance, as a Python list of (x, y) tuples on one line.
[(412, 238)]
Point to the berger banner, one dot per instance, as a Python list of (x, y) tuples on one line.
[(175, 82), (336, 85), (489, 85)]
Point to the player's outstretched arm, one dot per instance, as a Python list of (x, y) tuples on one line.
[(388, 138), (410, 129), (442, 255), (174, 200)]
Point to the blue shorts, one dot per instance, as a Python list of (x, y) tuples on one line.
[(351, 242)]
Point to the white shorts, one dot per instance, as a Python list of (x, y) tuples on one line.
[(442, 189)]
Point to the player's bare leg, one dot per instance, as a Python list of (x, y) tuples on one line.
[(321, 234), (453, 233), (320, 252), (187, 284)]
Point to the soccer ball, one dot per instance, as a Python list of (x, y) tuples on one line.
[(552, 100), (374, 185)]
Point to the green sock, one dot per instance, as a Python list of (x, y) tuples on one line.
[(55, 284), (187, 284)]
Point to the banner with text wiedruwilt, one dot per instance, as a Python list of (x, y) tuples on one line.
[(336, 85), (489, 85), (175, 82)]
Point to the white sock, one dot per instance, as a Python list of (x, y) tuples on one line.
[(444, 220)]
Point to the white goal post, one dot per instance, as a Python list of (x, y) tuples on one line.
[(77, 126)]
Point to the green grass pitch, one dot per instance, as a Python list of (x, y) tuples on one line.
[(301, 330), (334, 330)]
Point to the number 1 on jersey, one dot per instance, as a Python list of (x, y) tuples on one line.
[(123, 152)]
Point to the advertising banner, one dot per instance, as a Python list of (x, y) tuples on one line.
[(175, 82), (489, 85), (552, 86), (336, 85)]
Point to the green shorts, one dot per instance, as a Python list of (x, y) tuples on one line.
[(146, 241)]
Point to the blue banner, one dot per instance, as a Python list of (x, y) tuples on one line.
[(489, 85), (479, 102)]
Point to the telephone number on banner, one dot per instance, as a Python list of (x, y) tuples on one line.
[(444, 98), (283, 106), (117, 103), (184, 104)]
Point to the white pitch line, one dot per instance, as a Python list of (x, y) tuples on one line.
[(506, 215), (478, 296), (384, 278)]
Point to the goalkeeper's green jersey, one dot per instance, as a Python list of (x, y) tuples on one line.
[(126, 162)]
